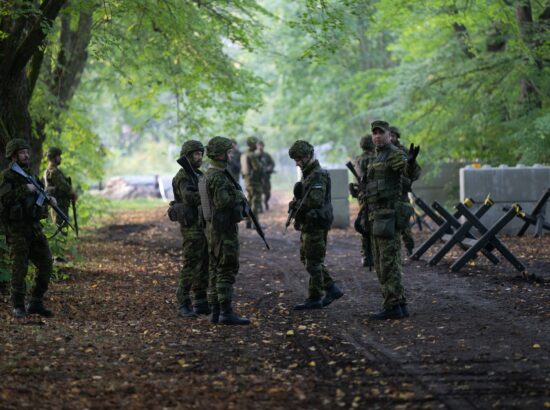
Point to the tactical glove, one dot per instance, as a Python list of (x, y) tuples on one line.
[(413, 153), (354, 189)]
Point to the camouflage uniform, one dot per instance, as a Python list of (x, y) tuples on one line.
[(252, 171), (406, 234), (193, 277), (361, 165), (313, 220), (26, 241), (386, 214), (268, 166), (224, 209), (58, 185)]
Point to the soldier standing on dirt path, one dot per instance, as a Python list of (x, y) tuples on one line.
[(252, 171), (21, 219), (268, 169), (406, 234), (388, 215), (222, 205), (193, 277), (57, 184), (313, 218), (361, 164)]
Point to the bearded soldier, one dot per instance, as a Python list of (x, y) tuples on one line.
[(252, 171), (312, 211), (222, 205), (185, 209), (21, 219), (388, 215), (406, 234), (57, 184), (268, 166)]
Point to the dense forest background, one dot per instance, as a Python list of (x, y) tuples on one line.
[(120, 84)]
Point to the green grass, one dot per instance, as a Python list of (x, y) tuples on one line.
[(136, 204)]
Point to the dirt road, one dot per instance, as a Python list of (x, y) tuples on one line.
[(476, 339)]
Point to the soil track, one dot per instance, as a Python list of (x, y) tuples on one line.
[(476, 339)]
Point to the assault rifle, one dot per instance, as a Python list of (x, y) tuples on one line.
[(369, 260), (42, 197), (188, 168), (294, 211), (247, 210)]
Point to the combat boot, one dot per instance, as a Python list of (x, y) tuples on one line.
[(38, 308), (228, 317), (310, 303), (19, 312), (390, 313), (404, 309), (186, 311), (332, 293), (201, 308), (214, 316)]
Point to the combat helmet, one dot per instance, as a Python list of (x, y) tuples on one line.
[(300, 149), (395, 130), (53, 152), (252, 142), (191, 146), (366, 143), (15, 145), (218, 146)]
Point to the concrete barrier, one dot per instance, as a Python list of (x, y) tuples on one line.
[(507, 185)]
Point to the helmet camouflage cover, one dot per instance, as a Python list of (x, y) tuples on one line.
[(191, 146), (395, 130), (15, 145), (300, 149), (53, 152), (218, 146), (251, 141), (366, 143)]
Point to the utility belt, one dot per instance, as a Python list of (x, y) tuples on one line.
[(389, 218)]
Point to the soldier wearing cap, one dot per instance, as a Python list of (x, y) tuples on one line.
[(252, 171), (21, 216), (361, 164), (388, 215), (268, 166), (58, 184), (406, 234), (222, 206), (185, 209), (312, 204)]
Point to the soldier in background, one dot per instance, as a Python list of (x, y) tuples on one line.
[(234, 163), (185, 209), (252, 171), (388, 215), (268, 169), (21, 219), (406, 234), (361, 164), (313, 218), (222, 205), (58, 184)]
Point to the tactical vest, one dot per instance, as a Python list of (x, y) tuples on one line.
[(324, 216), (206, 202), (384, 185)]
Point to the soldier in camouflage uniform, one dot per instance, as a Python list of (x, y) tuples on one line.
[(361, 164), (193, 277), (388, 215), (406, 234), (57, 184), (21, 219), (268, 166), (252, 171), (222, 205), (234, 163), (313, 218)]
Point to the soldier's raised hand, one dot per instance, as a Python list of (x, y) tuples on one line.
[(413, 153)]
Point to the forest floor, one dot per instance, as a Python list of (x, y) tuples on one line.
[(479, 338)]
